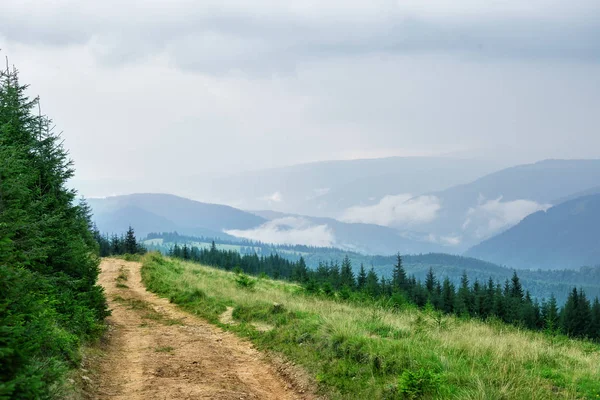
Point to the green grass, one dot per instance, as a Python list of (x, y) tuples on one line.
[(148, 312), (356, 351)]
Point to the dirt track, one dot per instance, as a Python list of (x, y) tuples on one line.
[(155, 351)]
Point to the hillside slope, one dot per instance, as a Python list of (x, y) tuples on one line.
[(565, 236), (368, 351), (540, 283)]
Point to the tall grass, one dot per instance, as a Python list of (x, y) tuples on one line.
[(367, 351)]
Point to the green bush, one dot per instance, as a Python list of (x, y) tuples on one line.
[(244, 281), (418, 384)]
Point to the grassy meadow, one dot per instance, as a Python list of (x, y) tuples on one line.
[(369, 351)]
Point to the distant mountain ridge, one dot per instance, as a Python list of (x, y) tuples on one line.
[(564, 236), (148, 212), (153, 212)]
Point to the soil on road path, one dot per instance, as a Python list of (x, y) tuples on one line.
[(156, 351)]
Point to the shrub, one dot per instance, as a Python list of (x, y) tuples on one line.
[(419, 383), (244, 281)]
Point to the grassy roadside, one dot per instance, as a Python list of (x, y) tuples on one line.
[(366, 351)]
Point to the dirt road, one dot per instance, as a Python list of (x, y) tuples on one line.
[(155, 351)]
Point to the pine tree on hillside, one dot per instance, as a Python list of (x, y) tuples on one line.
[(550, 315), (300, 273), (334, 275), (361, 280), (448, 295), (576, 314), (131, 245), (346, 274), (399, 275), (516, 289), (463, 304), (372, 284), (430, 281)]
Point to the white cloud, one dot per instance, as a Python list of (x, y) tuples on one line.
[(492, 216), (398, 210), (289, 230), (451, 240), (273, 198)]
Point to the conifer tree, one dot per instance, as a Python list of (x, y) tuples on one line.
[(516, 290), (448, 295), (399, 275), (550, 315), (463, 297), (575, 315), (131, 245), (346, 274), (430, 281), (361, 280), (372, 283), (48, 257), (301, 271)]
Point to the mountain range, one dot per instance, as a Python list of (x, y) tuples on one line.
[(564, 236), (492, 209)]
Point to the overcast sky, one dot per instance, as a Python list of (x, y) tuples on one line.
[(156, 87)]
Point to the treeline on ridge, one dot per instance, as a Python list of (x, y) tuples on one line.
[(508, 302), (247, 244), (114, 245)]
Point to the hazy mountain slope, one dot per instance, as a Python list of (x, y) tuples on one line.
[(475, 211), (169, 213), (118, 220), (367, 238), (587, 192), (326, 188), (543, 181), (414, 175), (565, 236)]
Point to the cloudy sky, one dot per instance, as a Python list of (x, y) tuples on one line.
[(160, 87)]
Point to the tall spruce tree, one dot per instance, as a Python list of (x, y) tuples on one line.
[(399, 275), (49, 300), (550, 315), (346, 274), (361, 280), (131, 245), (372, 285)]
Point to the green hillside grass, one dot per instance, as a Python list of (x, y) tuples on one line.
[(367, 351)]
